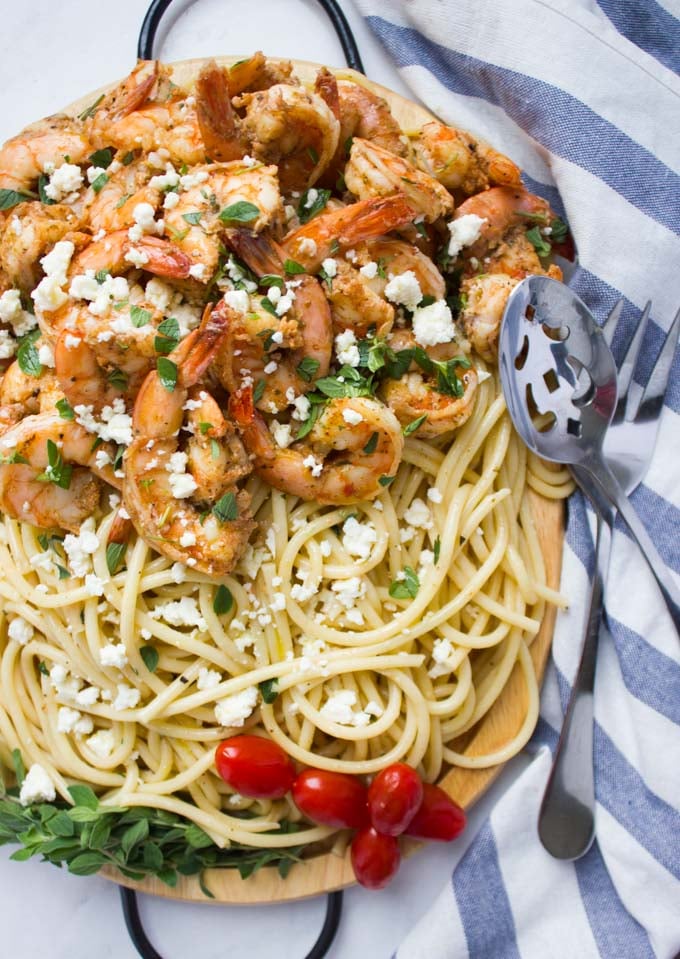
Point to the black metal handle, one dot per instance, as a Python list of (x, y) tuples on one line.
[(156, 11), (146, 949)]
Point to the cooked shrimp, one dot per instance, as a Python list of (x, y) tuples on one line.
[(44, 493), (10, 415), (35, 394), (117, 253), (415, 395), (163, 508), (461, 162), (24, 157), (270, 350), (483, 311), (220, 127), (397, 256), (330, 465), (293, 128), (220, 187), (343, 228), (374, 172), (34, 229), (87, 380), (366, 115), (113, 207), (517, 256), (355, 305), (502, 208), (216, 457), (258, 73), (145, 111)]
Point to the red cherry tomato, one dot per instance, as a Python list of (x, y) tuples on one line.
[(333, 799), (375, 858), (439, 817), (255, 767), (394, 797)]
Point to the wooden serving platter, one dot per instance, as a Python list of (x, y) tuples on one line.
[(327, 872)]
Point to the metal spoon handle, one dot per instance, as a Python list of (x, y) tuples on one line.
[(610, 487), (566, 821)]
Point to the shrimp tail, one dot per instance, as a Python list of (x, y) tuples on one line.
[(242, 406), (134, 93), (120, 530), (164, 259), (378, 216), (216, 118), (327, 87), (196, 352), (257, 250)]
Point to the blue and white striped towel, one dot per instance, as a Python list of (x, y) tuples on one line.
[(584, 97)]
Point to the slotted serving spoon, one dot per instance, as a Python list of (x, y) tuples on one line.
[(559, 381)]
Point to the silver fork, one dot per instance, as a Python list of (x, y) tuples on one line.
[(566, 823)]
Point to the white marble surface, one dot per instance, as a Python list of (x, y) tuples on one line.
[(50, 54)]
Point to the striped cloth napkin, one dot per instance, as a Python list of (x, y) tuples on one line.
[(583, 96)]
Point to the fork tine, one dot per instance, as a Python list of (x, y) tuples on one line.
[(609, 325), (655, 390), (630, 359)]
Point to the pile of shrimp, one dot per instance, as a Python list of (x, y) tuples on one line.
[(249, 276)]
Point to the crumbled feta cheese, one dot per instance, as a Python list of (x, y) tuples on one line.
[(278, 603), (182, 485), (165, 181), (12, 313), (94, 585), (126, 698), (418, 514), (37, 786), (442, 651), (358, 538), (93, 172), (197, 270), (346, 348), (187, 539), (464, 231), (113, 654), (302, 407), (88, 696), (433, 324), (238, 300), (311, 198), (314, 465), (101, 459), (330, 267), (286, 301), (137, 257), (434, 495), (404, 289), (234, 710), (338, 709), (370, 270), (20, 631), (102, 743), (145, 222), (325, 548), (113, 289), (64, 182), (178, 571), (48, 294), (282, 433), (181, 612), (190, 180), (80, 548), (208, 678), (170, 201), (68, 720), (271, 367), (348, 591), (8, 345), (373, 709), (352, 417), (307, 246)]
